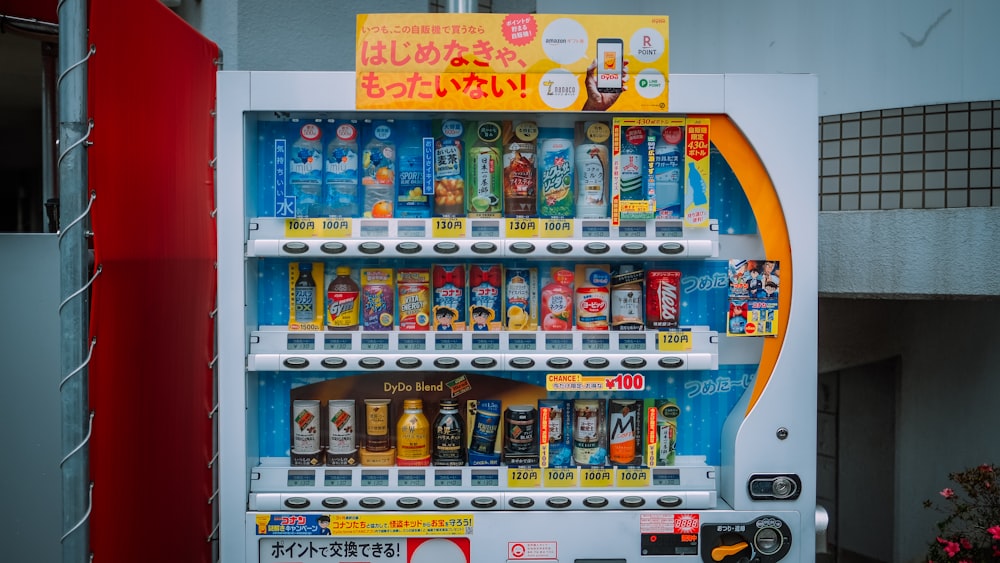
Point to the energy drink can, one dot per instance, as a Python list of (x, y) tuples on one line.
[(377, 300)]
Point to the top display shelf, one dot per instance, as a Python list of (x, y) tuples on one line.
[(479, 238)]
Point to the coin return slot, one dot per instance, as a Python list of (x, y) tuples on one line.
[(408, 362), (446, 248), (767, 541), (669, 501), (408, 502), (521, 502), (484, 502), (484, 363), (371, 363), (595, 502), (522, 247), (295, 247), (446, 502), (371, 247), (408, 248), (558, 502), (296, 503), (446, 363), (633, 363), (334, 502), (559, 363), (371, 502), (632, 502), (484, 248), (333, 247), (296, 363), (333, 363), (671, 248), (596, 363), (522, 363), (670, 362)]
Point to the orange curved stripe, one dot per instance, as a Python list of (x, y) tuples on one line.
[(757, 185)]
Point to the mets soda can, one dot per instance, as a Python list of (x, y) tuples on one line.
[(663, 298), (623, 431)]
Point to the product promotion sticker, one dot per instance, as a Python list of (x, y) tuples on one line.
[(364, 550), (753, 298), (364, 525), (528, 62)]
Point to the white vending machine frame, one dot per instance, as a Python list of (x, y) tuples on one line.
[(767, 478)]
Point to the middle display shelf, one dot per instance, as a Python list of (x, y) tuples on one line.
[(275, 348), (471, 238)]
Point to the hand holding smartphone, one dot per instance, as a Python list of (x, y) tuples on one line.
[(609, 65)]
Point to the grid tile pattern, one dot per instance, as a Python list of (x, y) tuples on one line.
[(922, 157)]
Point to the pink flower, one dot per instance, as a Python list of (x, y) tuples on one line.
[(948, 492), (994, 531), (966, 544), (951, 548)]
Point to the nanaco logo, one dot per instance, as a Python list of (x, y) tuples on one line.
[(554, 88)]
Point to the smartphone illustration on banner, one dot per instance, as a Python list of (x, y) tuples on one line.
[(609, 65)]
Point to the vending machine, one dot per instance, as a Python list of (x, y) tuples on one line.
[(518, 335)]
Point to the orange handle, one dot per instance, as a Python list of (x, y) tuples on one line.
[(723, 551)]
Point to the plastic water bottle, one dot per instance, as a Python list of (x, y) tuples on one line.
[(305, 170), (378, 179), (667, 162), (341, 173)]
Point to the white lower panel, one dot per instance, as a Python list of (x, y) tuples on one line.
[(710, 536)]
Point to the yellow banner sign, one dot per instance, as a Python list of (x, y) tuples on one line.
[(533, 62)]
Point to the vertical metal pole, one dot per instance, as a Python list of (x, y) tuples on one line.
[(73, 254), (461, 7), (50, 193)]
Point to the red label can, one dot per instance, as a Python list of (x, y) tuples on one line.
[(663, 298)]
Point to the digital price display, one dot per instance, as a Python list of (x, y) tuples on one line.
[(411, 478), (337, 478), (301, 478), (375, 342), (331, 342), (448, 478), (301, 342), (375, 478), (485, 478)]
